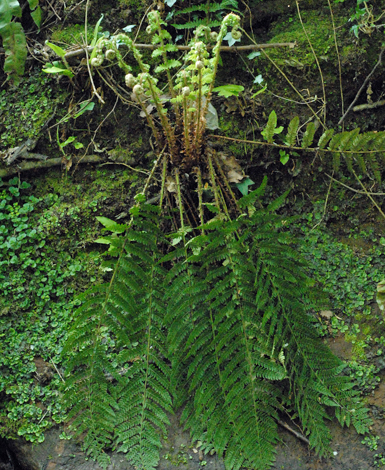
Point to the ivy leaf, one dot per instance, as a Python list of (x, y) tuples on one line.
[(284, 157), (170, 3), (230, 40), (243, 186), (129, 28), (229, 90), (258, 79)]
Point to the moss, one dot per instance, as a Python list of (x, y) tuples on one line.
[(25, 111), (72, 34), (319, 30)]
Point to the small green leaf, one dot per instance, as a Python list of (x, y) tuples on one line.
[(36, 16), (68, 141), (78, 145), (96, 30), (243, 186), (229, 90), (58, 70), (284, 157), (111, 225), (253, 55), (85, 106), (57, 49), (129, 28)]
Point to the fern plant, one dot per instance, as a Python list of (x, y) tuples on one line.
[(207, 306), (13, 35), (219, 325)]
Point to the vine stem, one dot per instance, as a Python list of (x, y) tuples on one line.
[(232, 49), (316, 59), (352, 189), (368, 194)]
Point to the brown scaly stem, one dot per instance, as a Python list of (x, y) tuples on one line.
[(186, 123), (199, 117), (164, 172), (150, 121), (213, 182), (225, 179), (200, 191)]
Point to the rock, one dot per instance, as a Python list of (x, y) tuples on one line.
[(57, 454)]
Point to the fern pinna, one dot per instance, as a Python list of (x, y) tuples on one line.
[(219, 325)]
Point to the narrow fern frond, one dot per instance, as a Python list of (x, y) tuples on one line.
[(308, 136), (325, 138), (129, 409), (292, 130)]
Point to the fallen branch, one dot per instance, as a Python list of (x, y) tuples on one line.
[(295, 433), (35, 165), (377, 104), (251, 47), (354, 190)]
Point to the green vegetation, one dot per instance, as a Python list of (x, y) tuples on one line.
[(234, 338), (24, 113), (37, 288), (204, 301)]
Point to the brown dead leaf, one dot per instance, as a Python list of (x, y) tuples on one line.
[(232, 163), (149, 109), (326, 314), (67, 163), (234, 177), (171, 185)]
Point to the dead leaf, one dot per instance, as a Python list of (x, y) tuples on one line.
[(234, 177), (149, 109), (326, 314), (67, 163), (231, 163), (171, 185)]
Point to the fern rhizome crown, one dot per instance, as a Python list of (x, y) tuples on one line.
[(207, 306)]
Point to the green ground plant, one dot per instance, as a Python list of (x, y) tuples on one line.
[(207, 307), (35, 308), (32, 104)]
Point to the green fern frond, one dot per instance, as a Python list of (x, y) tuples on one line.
[(196, 23), (269, 130), (308, 136), (211, 7), (171, 63), (292, 130), (127, 408), (325, 138)]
